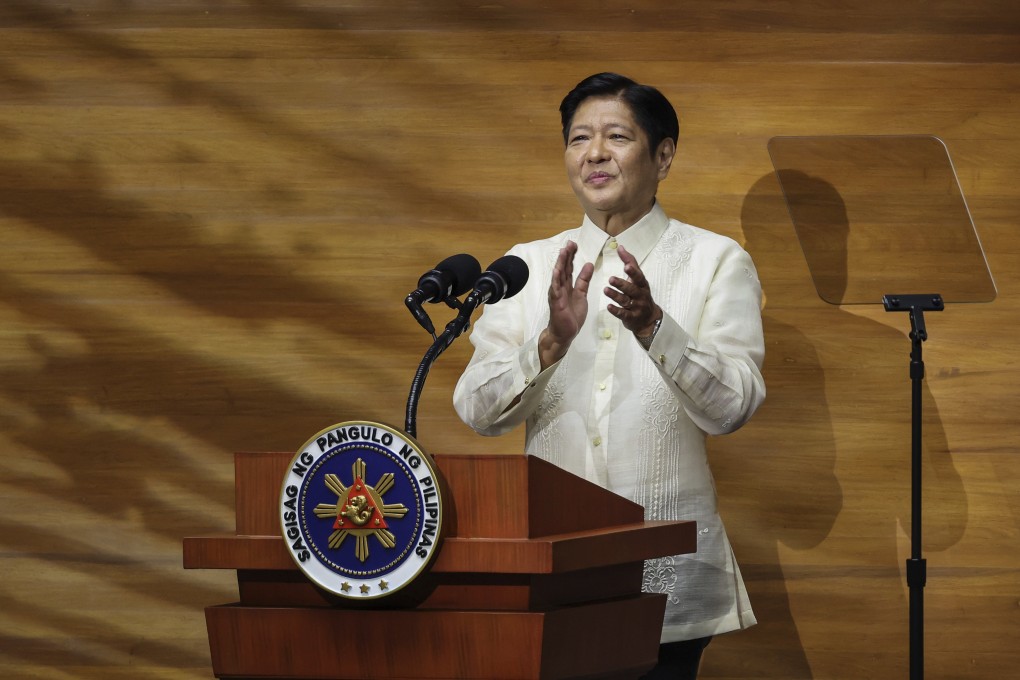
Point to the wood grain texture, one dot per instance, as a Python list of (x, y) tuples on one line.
[(211, 213)]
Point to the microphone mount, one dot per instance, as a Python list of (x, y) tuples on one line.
[(504, 278), (451, 278)]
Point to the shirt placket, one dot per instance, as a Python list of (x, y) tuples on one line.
[(608, 330)]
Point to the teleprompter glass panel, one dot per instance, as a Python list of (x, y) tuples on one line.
[(879, 215)]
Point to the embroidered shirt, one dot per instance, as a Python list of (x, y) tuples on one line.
[(631, 420)]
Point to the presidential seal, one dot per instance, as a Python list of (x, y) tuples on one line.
[(361, 510)]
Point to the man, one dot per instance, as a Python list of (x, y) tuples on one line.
[(621, 371)]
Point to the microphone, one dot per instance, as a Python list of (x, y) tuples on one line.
[(452, 277), (503, 279)]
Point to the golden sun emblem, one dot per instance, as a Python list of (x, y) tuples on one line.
[(360, 511)]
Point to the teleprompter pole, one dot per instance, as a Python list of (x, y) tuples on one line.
[(916, 305)]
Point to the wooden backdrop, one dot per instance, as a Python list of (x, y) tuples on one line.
[(210, 213)]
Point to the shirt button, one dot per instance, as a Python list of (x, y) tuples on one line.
[(527, 381), (597, 441), (613, 244), (606, 333), (662, 358), (602, 387)]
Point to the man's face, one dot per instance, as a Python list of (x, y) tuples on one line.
[(608, 163)]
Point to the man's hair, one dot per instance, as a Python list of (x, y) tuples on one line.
[(653, 112)]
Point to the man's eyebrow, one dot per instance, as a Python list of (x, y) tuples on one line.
[(585, 126)]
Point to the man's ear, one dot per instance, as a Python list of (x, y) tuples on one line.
[(664, 157)]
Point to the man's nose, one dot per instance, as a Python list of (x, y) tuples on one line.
[(597, 150)]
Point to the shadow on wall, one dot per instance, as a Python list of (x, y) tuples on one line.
[(764, 505), (786, 479)]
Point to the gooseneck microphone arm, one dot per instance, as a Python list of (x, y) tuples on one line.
[(452, 332), (439, 346)]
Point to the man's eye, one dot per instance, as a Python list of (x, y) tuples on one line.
[(578, 138)]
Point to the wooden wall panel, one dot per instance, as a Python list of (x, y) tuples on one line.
[(211, 212)]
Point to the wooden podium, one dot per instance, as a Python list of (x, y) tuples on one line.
[(539, 576)]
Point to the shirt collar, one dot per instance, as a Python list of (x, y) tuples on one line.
[(638, 239)]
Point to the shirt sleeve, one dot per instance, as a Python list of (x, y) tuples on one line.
[(716, 372), (503, 382)]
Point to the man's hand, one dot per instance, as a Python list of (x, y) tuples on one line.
[(568, 306), (634, 304)]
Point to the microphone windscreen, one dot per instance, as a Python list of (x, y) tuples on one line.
[(463, 271), (514, 271)]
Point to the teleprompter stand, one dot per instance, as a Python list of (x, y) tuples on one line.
[(917, 576), (880, 213)]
